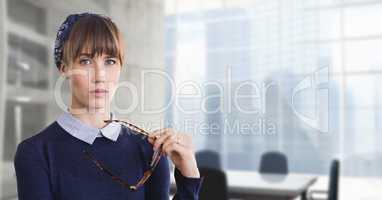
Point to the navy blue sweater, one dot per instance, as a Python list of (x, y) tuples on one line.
[(51, 165)]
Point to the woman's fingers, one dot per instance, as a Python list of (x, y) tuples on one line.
[(162, 138), (175, 139), (159, 132), (155, 135), (173, 147), (168, 147), (178, 147), (167, 139), (151, 140)]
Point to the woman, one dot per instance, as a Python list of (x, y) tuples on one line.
[(86, 155)]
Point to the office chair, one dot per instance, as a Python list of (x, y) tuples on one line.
[(273, 162), (208, 159), (332, 192), (214, 184)]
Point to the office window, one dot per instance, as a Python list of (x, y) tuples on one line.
[(315, 69)]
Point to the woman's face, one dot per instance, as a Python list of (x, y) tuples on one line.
[(93, 81)]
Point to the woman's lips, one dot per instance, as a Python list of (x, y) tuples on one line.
[(99, 92)]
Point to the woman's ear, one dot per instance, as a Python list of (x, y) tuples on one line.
[(63, 70)]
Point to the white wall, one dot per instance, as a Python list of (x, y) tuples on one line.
[(143, 27), (2, 81)]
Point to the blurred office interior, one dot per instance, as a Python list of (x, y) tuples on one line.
[(298, 77)]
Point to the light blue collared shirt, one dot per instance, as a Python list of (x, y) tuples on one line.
[(85, 132)]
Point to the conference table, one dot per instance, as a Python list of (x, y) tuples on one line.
[(252, 185)]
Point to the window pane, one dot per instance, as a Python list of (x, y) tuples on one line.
[(363, 20), (363, 55)]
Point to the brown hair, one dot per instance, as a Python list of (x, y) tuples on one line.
[(96, 35)]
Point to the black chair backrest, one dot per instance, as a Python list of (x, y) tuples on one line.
[(214, 184), (334, 180), (274, 162), (208, 159)]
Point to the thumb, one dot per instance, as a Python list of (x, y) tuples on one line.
[(151, 140)]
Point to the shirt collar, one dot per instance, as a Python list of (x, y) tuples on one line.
[(85, 132)]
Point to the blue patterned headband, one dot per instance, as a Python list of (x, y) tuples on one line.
[(63, 35)]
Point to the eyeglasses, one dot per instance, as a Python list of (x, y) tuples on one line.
[(146, 175)]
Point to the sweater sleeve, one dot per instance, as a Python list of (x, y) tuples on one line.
[(187, 188), (32, 177), (158, 186)]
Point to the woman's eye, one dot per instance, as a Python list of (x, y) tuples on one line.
[(85, 61), (110, 62)]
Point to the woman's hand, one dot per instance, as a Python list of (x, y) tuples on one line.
[(179, 148)]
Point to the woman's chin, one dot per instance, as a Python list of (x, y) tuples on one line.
[(98, 104)]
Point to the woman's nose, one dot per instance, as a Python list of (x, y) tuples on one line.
[(99, 73)]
